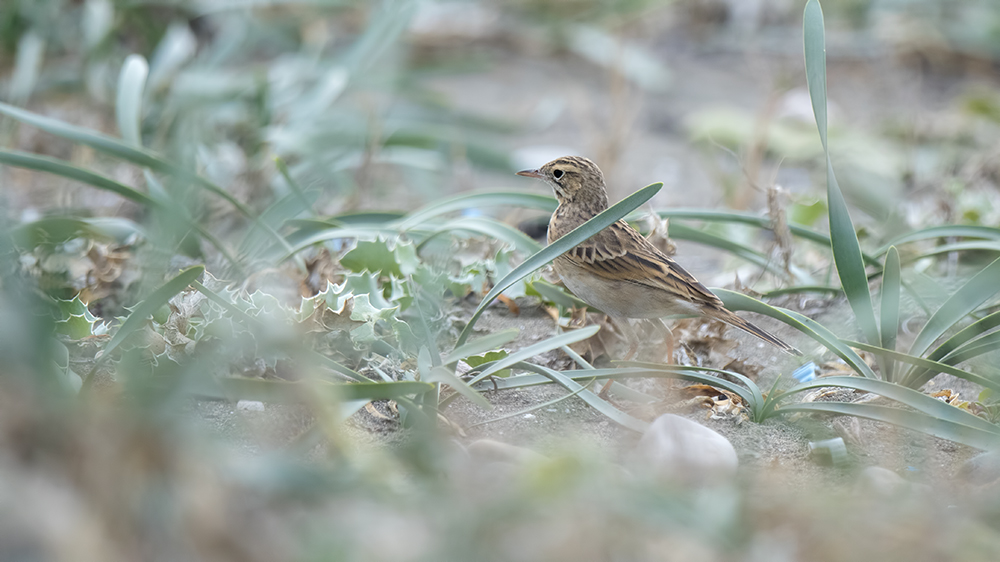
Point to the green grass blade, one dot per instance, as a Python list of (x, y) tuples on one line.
[(911, 420), (975, 292), (61, 229), (889, 307), (944, 231), (748, 219), (69, 171), (912, 398), (136, 155), (490, 228), (128, 102), (971, 246), (561, 246), (151, 304), (534, 408), (844, 240), (684, 232), (545, 203), (738, 301), (814, 43), (928, 368), (749, 392), (952, 350), (482, 345), (543, 346), (594, 401)]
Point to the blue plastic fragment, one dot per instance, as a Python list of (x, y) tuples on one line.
[(806, 372)]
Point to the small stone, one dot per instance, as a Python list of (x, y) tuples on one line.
[(678, 448), (981, 469), (529, 416), (250, 406), (882, 482)]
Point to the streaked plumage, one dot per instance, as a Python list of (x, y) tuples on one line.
[(618, 271)]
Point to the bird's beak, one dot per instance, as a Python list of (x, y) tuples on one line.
[(531, 174)]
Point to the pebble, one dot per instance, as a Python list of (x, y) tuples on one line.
[(678, 448), (981, 469), (882, 482), (250, 406)]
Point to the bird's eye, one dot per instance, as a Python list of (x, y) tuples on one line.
[(557, 174)]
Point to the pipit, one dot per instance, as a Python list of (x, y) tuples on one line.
[(617, 270)]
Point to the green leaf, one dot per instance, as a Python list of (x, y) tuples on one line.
[(488, 227), (128, 105), (545, 203), (442, 375), (976, 291), (66, 170), (594, 401), (561, 246), (928, 368), (911, 420), (844, 240), (912, 398), (889, 307), (142, 311), (397, 259), (944, 231), (481, 345), (541, 347)]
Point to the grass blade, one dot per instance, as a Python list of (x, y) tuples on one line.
[(738, 301), (928, 368), (844, 240), (923, 423), (482, 345), (545, 203), (532, 350), (491, 228), (151, 304), (912, 398), (561, 246), (69, 171), (594, 401), (128, 103), (889, 307), (944, 231), (751, 220), (975, 292)]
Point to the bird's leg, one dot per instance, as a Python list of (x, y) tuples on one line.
[(633, 347), (669, 340)]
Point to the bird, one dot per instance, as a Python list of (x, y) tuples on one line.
[(620, 272)]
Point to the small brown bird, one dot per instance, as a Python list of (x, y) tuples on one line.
[(617, 270)]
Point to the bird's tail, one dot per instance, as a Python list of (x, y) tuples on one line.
[(747, 326)]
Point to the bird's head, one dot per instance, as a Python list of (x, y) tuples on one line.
[(573, 178)]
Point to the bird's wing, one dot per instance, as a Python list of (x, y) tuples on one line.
[(619, 252)]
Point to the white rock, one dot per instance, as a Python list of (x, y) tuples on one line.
[(250, 406), (678, 448), (878, 481)]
